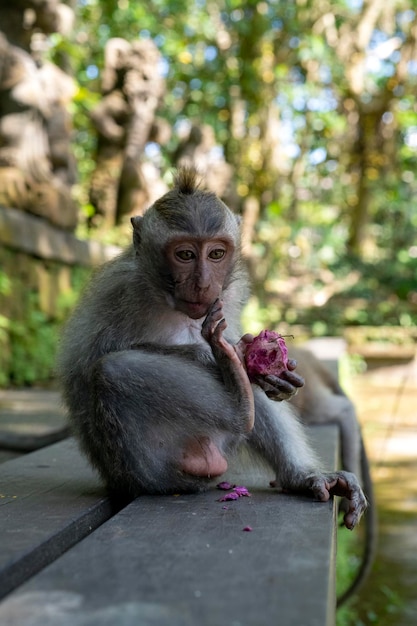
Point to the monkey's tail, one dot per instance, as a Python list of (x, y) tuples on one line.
[(370, 536)]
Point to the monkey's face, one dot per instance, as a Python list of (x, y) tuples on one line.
[(200, 268)]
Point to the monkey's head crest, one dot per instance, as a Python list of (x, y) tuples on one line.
[(188, 208), (188, 180)]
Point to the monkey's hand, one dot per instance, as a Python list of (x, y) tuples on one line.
[(344, 484), (284, 387), (230, 360)]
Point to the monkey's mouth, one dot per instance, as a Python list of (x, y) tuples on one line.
[(195, 310)]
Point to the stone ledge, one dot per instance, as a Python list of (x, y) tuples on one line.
[(32, 235)]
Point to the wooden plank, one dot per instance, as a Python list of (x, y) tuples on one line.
[(186, 560), (49, 500)]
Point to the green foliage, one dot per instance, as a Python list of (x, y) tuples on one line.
[(333, 168), (220, 57), (5, 291), (28, 341), (347, 564), (33, 343)]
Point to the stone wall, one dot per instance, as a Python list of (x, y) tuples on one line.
[(42, 269)]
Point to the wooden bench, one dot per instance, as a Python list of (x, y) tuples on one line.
[(69, 556)]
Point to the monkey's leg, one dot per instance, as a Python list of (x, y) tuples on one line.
[(280, 438), (157, 420), (201, 456)]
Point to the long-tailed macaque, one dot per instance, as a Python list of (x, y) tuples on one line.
[(152, 363)]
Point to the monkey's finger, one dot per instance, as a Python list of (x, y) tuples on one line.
[(279, 385), (241, 346), (216, 306), (320, 489), (352, 517), (271, 392), (291, 364), (215, 309), (345, 484), (295, 379), (220, 327), (278, 396), (246, 339), (213, 317), (357, 506)]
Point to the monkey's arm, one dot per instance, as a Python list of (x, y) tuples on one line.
[(230, 361), (280, 439)]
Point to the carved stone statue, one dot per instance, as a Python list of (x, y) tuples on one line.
[(125, 121), (199, 148), (36, 165)]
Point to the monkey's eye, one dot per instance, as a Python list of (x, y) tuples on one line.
[(185, 255), (217, 254)]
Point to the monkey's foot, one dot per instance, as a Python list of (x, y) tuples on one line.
[(344, 484), (201, 457)]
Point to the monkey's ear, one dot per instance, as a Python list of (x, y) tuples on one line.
[(137, 227)]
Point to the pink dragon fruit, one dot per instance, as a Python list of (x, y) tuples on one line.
[(267, 354)]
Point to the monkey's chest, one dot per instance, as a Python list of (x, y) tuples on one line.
[(180, 330)]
